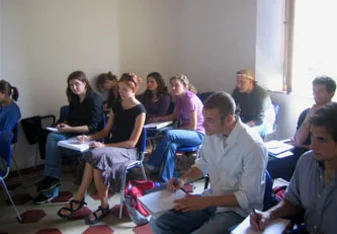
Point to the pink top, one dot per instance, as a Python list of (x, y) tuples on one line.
[(187, 103)]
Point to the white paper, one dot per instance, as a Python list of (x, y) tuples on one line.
[(52, 129), (157, 125), (74, 144), (277, 226), (280, 182), (277, 147), (160, 201)]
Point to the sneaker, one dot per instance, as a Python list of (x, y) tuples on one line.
[(48, 184), (42, 199)]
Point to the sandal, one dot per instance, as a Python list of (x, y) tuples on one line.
[(104, 212), (71, 209)]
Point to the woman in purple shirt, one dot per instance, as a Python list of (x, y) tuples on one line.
[(188, 111), (156, 98)]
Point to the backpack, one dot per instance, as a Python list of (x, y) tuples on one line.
[(136, 189), (279, 193)]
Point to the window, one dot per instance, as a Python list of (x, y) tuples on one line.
[(314, 43)]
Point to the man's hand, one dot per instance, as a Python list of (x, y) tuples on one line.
[(259, 220), (312, 110), (175, 184), (191, 202)]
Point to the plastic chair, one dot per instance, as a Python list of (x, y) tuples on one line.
[(141, 147), (267, 197), (13, 145), (271, 131), (203, 96), (6, 155)]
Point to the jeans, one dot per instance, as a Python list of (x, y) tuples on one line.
[(196, 222), (54, 154), (164, 155)]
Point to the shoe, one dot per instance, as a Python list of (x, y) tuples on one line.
[(48, 183), (104, 212), (72, 211), (42, 199), (43, 181)]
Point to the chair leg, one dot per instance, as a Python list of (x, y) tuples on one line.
[(143, 171), (123, 184), (11, 200), (19, 172)]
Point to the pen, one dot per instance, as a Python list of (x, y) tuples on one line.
[(256, 219)]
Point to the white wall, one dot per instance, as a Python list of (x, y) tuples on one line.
[(44, 41)]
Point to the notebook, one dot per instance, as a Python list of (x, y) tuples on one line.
[(158, 202), (277, 147), (52, 129), (277, 226), (158, 125), (74, 144)]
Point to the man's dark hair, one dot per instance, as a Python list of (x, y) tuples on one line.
[(329, 83), (223, 102), (326, 116)]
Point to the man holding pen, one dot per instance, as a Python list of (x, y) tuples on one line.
[(313, 186), (235, 158)]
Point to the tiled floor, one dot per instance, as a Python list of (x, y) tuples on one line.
[(43, 218)]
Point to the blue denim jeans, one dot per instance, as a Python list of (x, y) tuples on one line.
[(163, 156), (54, 154), (196, 222)]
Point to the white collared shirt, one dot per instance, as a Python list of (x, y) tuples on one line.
[(236, 165)]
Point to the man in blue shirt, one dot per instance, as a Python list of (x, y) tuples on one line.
[(313, 187)]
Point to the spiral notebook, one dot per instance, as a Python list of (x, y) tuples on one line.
[(74, 144)]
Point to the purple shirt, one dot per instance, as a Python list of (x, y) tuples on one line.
[(187, 103)]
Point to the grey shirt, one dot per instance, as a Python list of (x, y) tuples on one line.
[(307, 190)]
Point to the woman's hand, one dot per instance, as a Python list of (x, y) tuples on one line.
[(83, 138), (63, 127), (96, 144)]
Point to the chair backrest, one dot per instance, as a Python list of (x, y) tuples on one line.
[(203, 96), (277, 114), (267, 198), (141, 145), (5, 147), (15, 134), (64, 111)]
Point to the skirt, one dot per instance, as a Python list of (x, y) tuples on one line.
[(111, 161)]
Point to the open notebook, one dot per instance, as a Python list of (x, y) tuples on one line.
[(277, 147), (277, 226), (158, 125), (158, 202), (74, 144)]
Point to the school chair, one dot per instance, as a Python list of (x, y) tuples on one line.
[(13, 145), (141, 147), (6, 156), (272, 128)]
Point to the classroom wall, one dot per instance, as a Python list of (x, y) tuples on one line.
[(43, 41)]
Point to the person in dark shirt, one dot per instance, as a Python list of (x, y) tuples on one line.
[(108, 82), (105, 162), (156, 98), (85, 115), (323, 89), (252, 101)]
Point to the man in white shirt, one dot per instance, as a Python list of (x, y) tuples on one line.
[(235, 158)]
